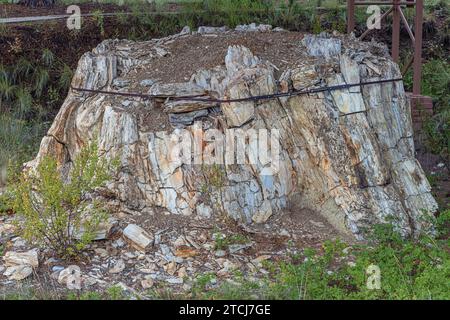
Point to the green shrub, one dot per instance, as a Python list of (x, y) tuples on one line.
[(65, 78), (115, 292), (436, 84), (24, 102), (22, 69), (7, 89), (41, 79), (47, 57), (99, 20), (51, 212), (435, 80), (222, 242), (437, 131), (443, 223), (409, 269), (19, 140)]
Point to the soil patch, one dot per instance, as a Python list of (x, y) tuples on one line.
[(196, 52)]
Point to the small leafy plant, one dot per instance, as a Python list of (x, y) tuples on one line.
[(222, 242), (98, 18), (409, 269), (56, 214)]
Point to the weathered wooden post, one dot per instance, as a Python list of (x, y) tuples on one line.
[(396, 30), (418, 48), (350, 16), (419, 103)]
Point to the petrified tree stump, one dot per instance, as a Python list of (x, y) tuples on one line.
[(347, 154)]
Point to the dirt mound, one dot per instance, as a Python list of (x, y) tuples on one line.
[(194, 52)]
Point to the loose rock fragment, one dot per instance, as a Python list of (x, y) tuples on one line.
[(263, 214), (18, 272), (6, 228), (185, 252), (147, 283), (29, 258), (204, 210), (181, 106), (174, 280), (71, 277), (118, 267), (258, 261), (238, 247), (253, 27), (208, 30), (137, 237), (147, 82), (182, 273), (171, 268), (220, 253), (188, 118)]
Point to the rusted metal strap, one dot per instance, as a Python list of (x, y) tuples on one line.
[(198, 98)]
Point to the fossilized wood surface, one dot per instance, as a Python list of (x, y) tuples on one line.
[(346, 154)]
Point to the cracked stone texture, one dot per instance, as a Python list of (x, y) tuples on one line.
[(346, 154)]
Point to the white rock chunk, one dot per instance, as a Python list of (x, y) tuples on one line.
[(147, 283), (175, 280), (204, 210), (6, 228), (29, 258), (264, 213), (71, 277), (118, 267), (322, 46), (137, 237), (18, 272)]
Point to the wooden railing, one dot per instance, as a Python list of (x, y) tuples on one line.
[(397, 18)]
